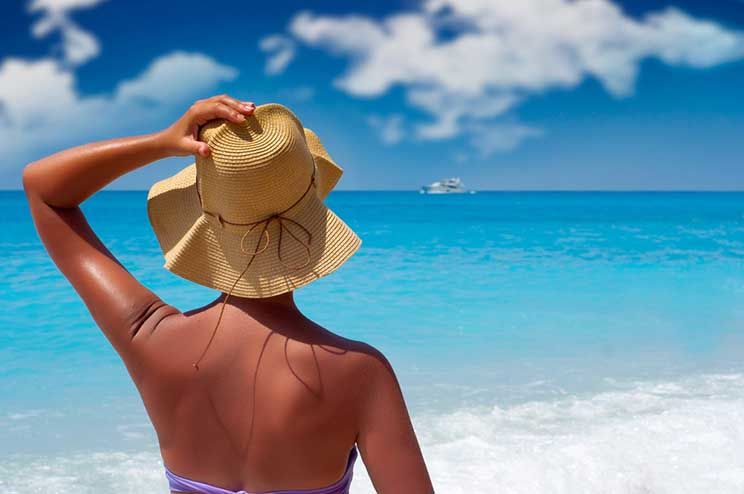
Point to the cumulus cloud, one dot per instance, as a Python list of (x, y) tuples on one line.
[(482, 58), (389, 128), (78, 46), (42, 110), (281, 51), (500, 136), (164, 83), (296, 94)]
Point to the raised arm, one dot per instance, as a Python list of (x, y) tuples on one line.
[(124, 309), (386, 437)]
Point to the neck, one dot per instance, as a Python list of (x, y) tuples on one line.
[(284, 301)]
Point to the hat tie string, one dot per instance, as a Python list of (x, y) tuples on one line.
[(284, 223)]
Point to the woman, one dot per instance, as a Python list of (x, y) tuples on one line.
[(246, 394)]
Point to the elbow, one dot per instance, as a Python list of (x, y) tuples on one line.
[(29, 179), (33, 183)]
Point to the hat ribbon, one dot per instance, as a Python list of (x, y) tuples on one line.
[(284, 223)]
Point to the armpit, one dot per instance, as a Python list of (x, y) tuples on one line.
[(146, 319)]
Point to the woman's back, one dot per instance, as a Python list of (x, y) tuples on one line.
[(271, 401), (274, 404)]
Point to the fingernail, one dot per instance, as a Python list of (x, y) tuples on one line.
[(248, 107), (240, 117)]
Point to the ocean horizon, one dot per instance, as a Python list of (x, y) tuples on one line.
[(545, 341), (493, 191)]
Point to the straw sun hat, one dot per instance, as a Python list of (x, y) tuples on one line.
[(249, 219)]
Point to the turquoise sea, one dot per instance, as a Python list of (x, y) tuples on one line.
[(546, 342)]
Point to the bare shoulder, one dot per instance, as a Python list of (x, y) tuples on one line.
[(385, 436), (168, 352), (365, 364), (372, 361)]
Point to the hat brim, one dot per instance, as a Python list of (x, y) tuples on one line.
[(200, 249), (329, 172)]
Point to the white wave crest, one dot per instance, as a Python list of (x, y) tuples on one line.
[(684, 436)]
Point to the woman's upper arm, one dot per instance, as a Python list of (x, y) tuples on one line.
[(125, 310), (386, 439)]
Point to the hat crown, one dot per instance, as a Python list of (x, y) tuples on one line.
[(270, 174), (256, 168)]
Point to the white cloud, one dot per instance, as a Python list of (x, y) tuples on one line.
[(389, 128), (297, 94), (164, 81), (497, 54), (500, 136), (78, 45), (281, 51), (28, 88), (41, 109), (449, 106)]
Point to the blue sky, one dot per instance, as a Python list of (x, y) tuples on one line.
[(536, 94)]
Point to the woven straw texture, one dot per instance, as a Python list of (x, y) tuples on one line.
[(267, 167)]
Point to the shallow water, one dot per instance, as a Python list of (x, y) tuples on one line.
[(546, 342)]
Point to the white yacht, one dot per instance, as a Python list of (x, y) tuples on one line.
[(447, 186)]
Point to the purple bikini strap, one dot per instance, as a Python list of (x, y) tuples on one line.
[(182, 484)]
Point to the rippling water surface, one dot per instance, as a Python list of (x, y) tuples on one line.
[(546, 342)]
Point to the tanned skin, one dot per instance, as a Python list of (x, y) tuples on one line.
[(278, 401)]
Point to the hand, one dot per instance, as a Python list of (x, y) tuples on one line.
[(182, 138)]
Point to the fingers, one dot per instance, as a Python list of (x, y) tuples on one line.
[(221, 107), (222, 110), (244, 107), (201, 112), (192, 146), (215, 109)]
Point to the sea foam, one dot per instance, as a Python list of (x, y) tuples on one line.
[(681, 436)]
